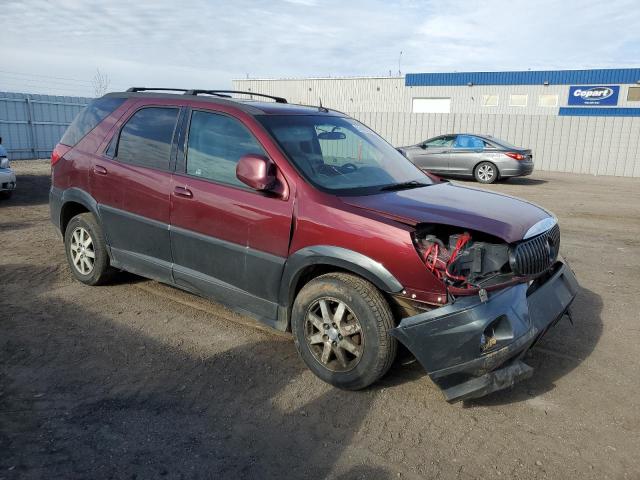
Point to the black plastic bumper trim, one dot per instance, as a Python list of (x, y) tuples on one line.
[(446, 341)]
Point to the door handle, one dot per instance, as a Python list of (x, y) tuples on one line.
[(182, 192), (99, 169)]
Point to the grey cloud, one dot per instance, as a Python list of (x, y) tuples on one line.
[(207, 43)]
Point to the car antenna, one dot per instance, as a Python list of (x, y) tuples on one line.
[(321, 108)]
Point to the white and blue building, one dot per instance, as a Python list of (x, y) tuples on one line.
[(579, 121)]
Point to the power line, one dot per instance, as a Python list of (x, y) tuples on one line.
[(50, 83), (22, 86), (47, 77), (12, 78)]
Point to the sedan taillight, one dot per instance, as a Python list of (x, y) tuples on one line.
[(515, 156)]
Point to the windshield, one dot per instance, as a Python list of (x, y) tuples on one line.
[(341, 155)]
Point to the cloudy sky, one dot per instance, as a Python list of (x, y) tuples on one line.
[(56, 46)]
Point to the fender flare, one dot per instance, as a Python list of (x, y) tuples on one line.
[(58, 199), (343, 258)]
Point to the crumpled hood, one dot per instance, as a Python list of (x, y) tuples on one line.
[(503, 216)]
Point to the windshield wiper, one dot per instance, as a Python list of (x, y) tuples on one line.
[(405, 185)]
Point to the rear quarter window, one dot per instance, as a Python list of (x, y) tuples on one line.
[(89, 118)]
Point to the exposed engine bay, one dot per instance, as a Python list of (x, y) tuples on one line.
[(466, 262)]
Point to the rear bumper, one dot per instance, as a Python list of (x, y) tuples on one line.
[(516, 168), (7, 179), (447, 341)]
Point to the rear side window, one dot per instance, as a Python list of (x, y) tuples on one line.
[(468, 141), (216, 144), (146, 138), (89, 118)]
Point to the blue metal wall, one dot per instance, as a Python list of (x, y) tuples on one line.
[(554, 77), (32, 124)]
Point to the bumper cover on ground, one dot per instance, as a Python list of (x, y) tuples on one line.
[(447, 341)]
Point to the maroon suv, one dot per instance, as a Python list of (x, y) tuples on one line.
[(310, 222)]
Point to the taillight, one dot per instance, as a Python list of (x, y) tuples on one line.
[(58, 153), (515, 156)]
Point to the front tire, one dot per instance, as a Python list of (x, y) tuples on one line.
[(486, 172), (86, 251), (341, 325)]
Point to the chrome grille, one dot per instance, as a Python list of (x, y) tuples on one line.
[(535, 255)]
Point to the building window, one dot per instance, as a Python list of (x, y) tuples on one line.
[(490, 100), (634, 94), (548, 100), (518, 100), (431, 105)]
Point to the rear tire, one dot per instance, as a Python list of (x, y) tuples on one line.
[(86, 250), (486, 172), (341, 325)]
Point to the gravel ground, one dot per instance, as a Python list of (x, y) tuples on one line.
[(140, 380)]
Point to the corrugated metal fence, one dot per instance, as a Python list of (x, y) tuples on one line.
[(592, 145), (31, 124)]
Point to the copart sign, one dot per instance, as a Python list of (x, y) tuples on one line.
[(594, 95)]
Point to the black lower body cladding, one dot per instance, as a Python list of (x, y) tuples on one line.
[(471, 348)]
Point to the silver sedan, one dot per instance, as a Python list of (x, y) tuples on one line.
[(482, 157)]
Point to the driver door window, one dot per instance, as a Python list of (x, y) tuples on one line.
[(216, 144), (469, 142), (440, 142)]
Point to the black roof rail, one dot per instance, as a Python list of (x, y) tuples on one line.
[(144, 89), (224, 93), (208, 92)]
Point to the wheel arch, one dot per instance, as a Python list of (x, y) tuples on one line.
[(311, 262), (75, 201)]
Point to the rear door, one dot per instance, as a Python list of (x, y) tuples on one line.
[(433, 154), (132, 185), (229, 242), (467, 151)]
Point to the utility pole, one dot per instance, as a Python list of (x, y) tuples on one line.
[(399, 64)]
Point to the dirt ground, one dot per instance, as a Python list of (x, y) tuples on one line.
[(139, 380)]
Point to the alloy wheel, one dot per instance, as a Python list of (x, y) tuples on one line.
[(82, 253), (334, 334), (485, 172)]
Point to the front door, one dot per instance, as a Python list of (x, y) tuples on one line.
[(433, 155), (133, 192), (228, 241)]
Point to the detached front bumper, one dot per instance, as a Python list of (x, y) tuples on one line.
[(471, 348)]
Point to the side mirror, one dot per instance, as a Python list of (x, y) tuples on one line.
[(423, 146), (258, 172)]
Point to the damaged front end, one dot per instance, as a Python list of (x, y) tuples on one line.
[(501, 299)]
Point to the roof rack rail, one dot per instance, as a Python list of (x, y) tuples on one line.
[(224, 93), (144, 89), (208, 92)]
